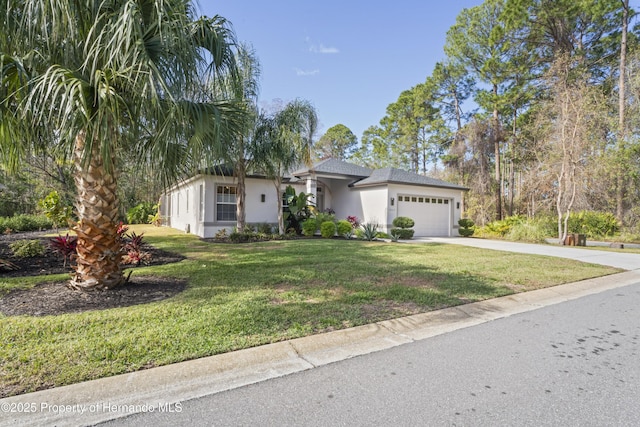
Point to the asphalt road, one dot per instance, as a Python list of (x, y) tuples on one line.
[(571, 364)]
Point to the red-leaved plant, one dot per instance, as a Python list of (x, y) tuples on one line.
[(132, 246), (355, 223), (65, 246)]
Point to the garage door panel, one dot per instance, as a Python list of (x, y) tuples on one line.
[(431, 214)]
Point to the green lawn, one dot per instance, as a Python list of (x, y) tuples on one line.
[(241, 296)]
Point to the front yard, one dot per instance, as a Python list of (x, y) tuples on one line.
[(240, 296)]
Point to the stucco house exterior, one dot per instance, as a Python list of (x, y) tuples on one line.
[(205, 203)]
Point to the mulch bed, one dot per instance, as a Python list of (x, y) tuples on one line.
[(54, 298)]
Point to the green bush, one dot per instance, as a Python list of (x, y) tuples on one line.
[(402, 233), (25, 223), (466, 227), (27, 248), (344, 228), (264, 228), (328, 229), (593, 224), (55, 209), (403, 222), (140, 213), (322, 217), (527, 232), (309, 227)]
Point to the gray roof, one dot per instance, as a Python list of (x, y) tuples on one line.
[(399, 176), (335, 167)]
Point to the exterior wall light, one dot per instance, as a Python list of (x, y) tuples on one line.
[(393, 200), (262, 198)]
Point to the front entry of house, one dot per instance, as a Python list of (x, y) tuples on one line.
[(432, 215)]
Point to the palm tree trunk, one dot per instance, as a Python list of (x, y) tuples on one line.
[(241, 195), (99, 247)]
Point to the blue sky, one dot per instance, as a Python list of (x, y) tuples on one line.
[(349, 58)]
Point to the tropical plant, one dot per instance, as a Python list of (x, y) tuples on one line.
[(369, 231), (94, 80), (299, 208), (355, 222), (65, 246), (140, 213), (132, 248), (241, 150), (282, 142)]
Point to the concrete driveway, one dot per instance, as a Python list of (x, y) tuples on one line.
[(626, 261)]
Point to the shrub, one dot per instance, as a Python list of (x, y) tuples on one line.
[(527, 232), (132, 245), (593, 224), (402, 233), (502, 227), (344, 228), (55, 209), (141, 213), (369, 231), (328, 229), (221, 234), (466, 227), (322, 217), (24, 222), (355, 222), (394, 235), (403, 222), (264, 228), (309, 227), (27, 248)]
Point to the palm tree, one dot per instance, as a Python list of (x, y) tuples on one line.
[(107, 79), (286, 140), (244, 89)]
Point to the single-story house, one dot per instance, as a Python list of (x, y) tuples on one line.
[(205, 203)]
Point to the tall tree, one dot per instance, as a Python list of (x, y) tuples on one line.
[(113, 78), (284, 140), (479, 41), (338, 142), (243, 87), (622, 130)]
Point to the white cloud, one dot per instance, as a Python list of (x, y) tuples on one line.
[(323, 49), (300, 72)]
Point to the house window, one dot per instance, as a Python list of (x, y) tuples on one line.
[(446, 201), (420, 199), (226, 203), (187, 202), (177, 204), (433, 200), (414, 199), (440, 201), (201, 210)]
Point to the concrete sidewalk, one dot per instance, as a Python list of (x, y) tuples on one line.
[(163, 389)]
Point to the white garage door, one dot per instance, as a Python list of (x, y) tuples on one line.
[(431, 214)]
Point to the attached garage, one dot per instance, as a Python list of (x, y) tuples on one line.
[(432, 215)]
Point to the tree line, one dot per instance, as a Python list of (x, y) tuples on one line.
[(534, 108)]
